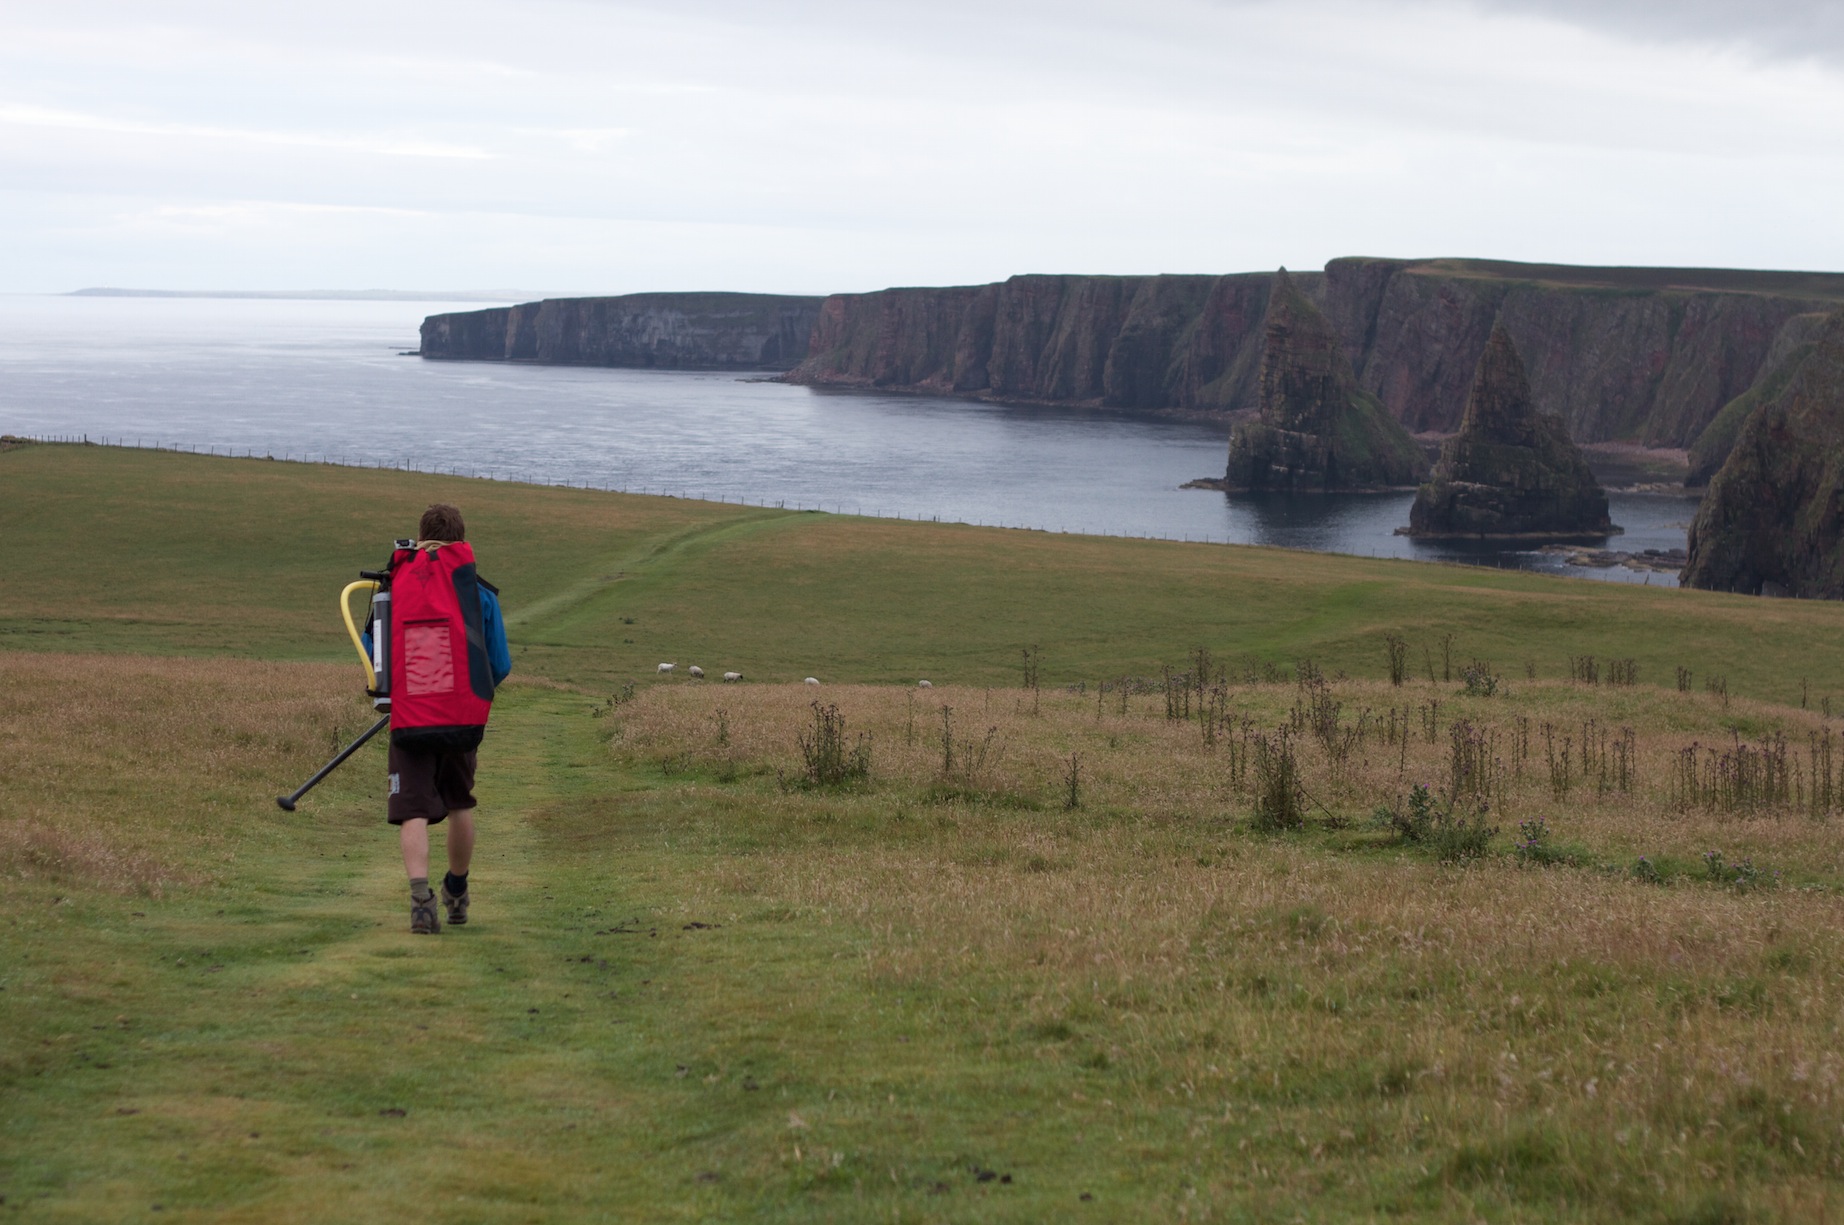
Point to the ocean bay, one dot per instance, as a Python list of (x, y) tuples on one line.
[(328, 379)]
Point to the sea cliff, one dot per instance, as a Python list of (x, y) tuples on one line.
[(675, 331), (1635, 354), (1316, 432), (1773, 519)]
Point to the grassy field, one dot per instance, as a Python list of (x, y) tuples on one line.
[(702, 985)]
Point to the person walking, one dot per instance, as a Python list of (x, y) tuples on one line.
[(448, 654)]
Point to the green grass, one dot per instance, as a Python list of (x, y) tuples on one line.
[(214, 1007), (129, 551)]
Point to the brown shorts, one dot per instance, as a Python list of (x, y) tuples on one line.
[(429, 786)]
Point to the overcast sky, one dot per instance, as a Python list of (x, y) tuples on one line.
[(600, 146)]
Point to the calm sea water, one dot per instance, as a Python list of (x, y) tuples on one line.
[(326, 379)]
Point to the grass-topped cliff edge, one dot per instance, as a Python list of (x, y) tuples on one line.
[(1062, 949)]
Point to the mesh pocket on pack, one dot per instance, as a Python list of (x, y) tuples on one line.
[(428, 658)]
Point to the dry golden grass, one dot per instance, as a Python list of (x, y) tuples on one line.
[(122, 772), (1155, 768), (1565, 1024)]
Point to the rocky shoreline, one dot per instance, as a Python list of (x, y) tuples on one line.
[(1656, 561)]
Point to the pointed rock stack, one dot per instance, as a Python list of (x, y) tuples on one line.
[(1317, 431), (1773, 520), (1510, 471)]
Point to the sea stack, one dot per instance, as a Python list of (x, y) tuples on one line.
[(1510, 471), (1317, 431), (1772, 521)]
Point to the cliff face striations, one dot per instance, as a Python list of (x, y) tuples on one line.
[(675, 331), (1773, 519), (1790, 348), (1317, 431), (1510, 471), (1145, 343), (1647, 355)]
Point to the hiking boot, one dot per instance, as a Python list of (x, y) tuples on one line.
[(455, 906), (424, 920)]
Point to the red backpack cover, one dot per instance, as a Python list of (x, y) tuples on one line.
[(441, 681)]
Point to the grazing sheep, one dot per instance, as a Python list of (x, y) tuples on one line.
[(813, 680), (733, 676), (667, 667), (696, 670), (924, 685)]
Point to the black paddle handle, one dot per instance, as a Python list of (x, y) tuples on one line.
[(287, 802)]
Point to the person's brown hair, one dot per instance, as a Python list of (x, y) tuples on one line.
[(441, 522)]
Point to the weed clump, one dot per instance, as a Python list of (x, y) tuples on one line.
[(1473, 768), (1277, 783), (1559, 776), (966, 760), (1438, 826), (1536, 844), (829, 760), (1825, 781), (1318, 712), (1743, 778), (1741, 876), (1480, 680)]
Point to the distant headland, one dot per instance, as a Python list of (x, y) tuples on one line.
[(314, 295)]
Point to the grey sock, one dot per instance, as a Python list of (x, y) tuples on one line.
[(419, 888)]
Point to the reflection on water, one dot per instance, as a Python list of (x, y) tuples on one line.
[(326, 379)]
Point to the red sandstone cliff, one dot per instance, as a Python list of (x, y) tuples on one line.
[(1647, 355)]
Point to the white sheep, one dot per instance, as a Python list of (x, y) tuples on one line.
[(813, 680), (697, 671), (925, 685), (667, 667), (733, 676)]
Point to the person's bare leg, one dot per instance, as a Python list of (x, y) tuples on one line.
[(460, 855), (413, 837), (460, 840)]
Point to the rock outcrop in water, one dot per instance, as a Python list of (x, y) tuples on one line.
[(1772, 521), (1639, 354), (674, 331), (1510, 471), (1317, 431)]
